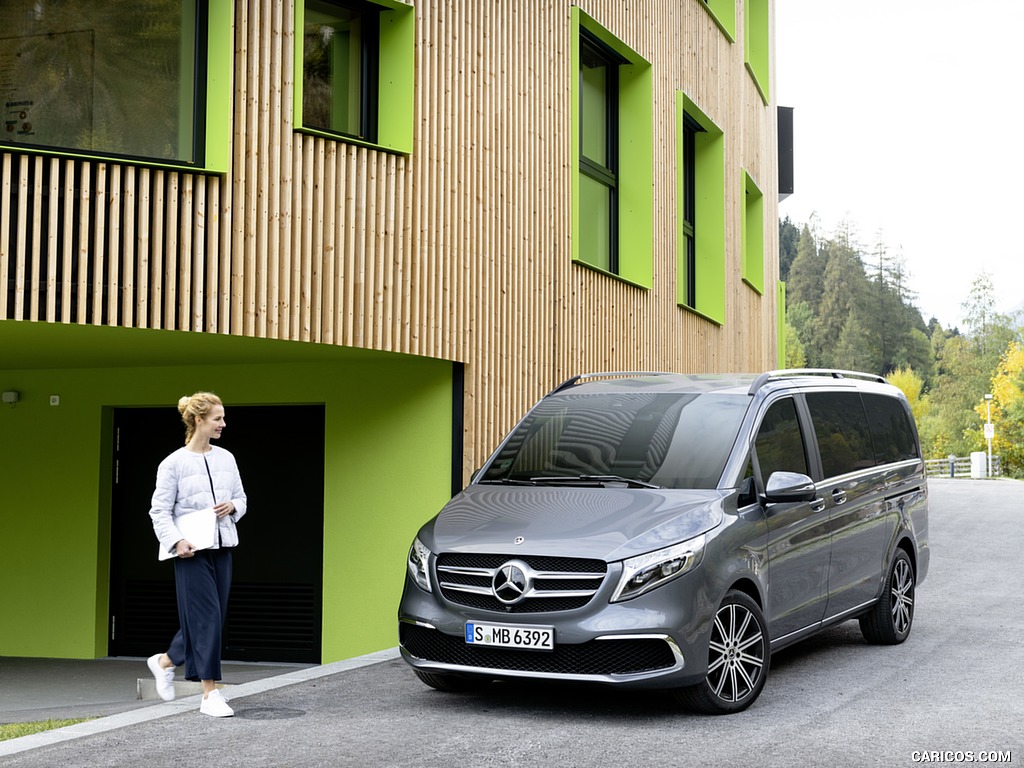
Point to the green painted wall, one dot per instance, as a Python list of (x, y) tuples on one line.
[(387, 470)]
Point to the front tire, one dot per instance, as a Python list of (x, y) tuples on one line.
[(889, 622), (738, 659)]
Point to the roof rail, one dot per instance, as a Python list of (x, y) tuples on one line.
[(605, 375), (764, 378)]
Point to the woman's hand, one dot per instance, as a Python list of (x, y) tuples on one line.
[(185, 549), (224, 509)]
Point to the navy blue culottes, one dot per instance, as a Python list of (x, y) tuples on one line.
[(203, 583)]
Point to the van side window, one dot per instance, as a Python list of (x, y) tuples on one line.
[(844, 439), (779, 444), (891, 430)]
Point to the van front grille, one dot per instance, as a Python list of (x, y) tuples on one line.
[(554, 583)]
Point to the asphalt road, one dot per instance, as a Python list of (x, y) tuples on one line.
[(952, 692)]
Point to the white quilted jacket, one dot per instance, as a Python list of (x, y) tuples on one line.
[(183, 485)]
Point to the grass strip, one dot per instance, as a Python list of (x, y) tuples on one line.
[(17, 730)]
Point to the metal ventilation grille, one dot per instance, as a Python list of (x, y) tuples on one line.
[(597, 657), (558, 583), (266, 622), (149, 619), (273, 622)]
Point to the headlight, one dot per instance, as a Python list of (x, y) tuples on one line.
[(418, 568), (646, 572)]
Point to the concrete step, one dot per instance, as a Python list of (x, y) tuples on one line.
[(146, 687)]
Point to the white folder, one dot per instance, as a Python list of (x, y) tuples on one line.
[(198, 528)]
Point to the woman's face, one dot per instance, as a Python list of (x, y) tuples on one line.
[(211, 427)]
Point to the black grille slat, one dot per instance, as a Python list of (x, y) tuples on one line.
[(453, 582), (597, 657)]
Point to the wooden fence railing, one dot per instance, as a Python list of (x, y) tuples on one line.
[(957, 466)]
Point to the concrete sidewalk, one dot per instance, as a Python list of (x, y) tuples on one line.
[(119, 692)]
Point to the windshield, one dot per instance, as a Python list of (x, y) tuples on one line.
[(666, 440)]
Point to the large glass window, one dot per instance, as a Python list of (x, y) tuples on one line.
[(670, 440), (612, 145), (119, 77), (339, 74), (357, 65), (599, 121), (700, 211)]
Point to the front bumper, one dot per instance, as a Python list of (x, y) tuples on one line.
[(657, 640)]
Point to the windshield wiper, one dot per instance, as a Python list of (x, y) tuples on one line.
[(508, 481), (632, 482)]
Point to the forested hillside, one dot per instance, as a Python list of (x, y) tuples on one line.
[(851, 307)]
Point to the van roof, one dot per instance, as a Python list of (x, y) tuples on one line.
[(735, 383)]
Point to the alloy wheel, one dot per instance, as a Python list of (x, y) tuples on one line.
[(737, 653)]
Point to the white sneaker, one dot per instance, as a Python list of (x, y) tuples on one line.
[(164, 678), (215, 705)]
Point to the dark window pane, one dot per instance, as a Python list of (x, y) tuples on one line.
[(842, 431), (338, 77), (116, 77), (891, 430), (780, 444), (677, 441)]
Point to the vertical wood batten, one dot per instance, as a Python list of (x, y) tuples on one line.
[(21, 246), (143, 246), (6, 200), (111, 292), (52, 240), (129, 251), (67, 249)]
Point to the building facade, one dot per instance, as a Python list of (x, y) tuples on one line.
[(380, 231)]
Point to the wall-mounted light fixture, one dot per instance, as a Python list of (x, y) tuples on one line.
[(11, 396)]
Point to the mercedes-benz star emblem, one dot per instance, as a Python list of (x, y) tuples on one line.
[(510, 582)]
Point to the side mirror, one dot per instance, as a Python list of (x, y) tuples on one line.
[(788, 487)]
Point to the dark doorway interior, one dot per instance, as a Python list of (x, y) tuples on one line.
[(275, 611)]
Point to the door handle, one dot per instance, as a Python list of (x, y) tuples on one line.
[(818, 504), (839, 496)]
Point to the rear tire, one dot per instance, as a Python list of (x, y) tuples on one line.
[(451, 683), (890, 621), (738, 659)]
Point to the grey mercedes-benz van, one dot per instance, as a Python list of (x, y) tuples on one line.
[(672, 531)]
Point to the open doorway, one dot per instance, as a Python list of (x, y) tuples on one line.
[(275, 610)]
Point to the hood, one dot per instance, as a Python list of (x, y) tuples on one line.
[(600, 523)]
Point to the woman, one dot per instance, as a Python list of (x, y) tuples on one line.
[(195, 477)]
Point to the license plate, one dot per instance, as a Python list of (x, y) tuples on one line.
[(510, 636)]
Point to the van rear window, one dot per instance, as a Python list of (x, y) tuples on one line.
[(891, 430), (670, 440)]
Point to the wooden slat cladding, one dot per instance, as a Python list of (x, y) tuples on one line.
[(98, 243), (460, 250)]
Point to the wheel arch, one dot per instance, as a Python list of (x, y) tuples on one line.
[(749, 587)]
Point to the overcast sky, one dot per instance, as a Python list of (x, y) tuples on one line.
[(908, 126)]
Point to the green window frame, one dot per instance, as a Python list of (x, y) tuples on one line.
[(753, 235), (724, 14), (355, 71), (700, 195), (102, 80), (612, 109), (756, 44), (780, 322)]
